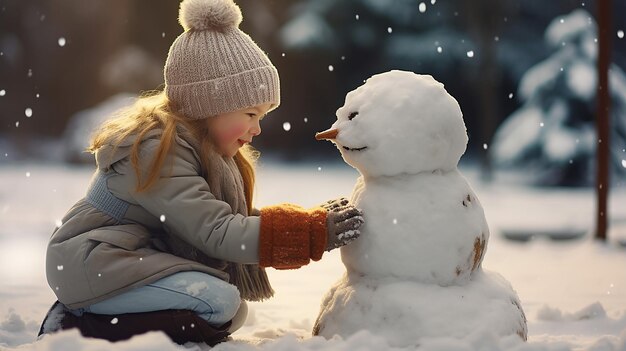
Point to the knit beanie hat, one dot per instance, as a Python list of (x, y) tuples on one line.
[(213, 67)]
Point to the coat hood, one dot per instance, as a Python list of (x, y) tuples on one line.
[(109, 154)]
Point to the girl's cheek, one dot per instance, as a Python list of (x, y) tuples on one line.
[(233, 132)]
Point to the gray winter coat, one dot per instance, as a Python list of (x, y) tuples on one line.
[(112, 240)]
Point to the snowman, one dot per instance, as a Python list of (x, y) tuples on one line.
[(415, 272)]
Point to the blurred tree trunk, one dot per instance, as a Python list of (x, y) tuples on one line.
[(484, 19), (603, 103)]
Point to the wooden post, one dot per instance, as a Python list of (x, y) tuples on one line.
[(603, 103)]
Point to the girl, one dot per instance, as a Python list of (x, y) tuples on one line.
[(166, 237)]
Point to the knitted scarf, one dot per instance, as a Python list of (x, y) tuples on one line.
[(226, 184)]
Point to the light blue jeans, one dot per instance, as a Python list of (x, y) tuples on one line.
[(212, 298)]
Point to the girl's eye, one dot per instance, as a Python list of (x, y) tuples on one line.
[(252, 115), (352, 115)]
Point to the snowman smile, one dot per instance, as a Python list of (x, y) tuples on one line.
[(355, 149)]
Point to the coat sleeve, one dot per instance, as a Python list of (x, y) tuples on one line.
[(183, 201)]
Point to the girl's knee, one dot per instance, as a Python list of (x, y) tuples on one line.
[(240, 317), (224, 301), (230, 302), (213, 299)]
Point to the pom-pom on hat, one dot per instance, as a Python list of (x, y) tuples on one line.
[(213, 67), (209, 14)]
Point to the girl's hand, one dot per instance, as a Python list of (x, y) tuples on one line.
[(343, 223), (334, 204)]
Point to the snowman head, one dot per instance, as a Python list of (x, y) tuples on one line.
[(399, 122)]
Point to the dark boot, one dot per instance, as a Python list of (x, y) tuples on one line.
[(180, 325)]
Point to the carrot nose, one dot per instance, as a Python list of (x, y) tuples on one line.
[(329, 134)]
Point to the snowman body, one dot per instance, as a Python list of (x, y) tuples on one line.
[(428, 227), (415, 272)]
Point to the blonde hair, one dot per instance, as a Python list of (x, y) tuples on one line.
[(154, 111)]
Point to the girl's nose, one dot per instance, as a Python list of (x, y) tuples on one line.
[(256, 129)]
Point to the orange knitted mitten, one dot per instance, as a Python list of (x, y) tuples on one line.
[(291, 236)]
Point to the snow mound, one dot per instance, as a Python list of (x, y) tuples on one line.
[(407, 313), (593, 311), (14, 330)]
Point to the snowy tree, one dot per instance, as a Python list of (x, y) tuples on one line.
[(553, 133)]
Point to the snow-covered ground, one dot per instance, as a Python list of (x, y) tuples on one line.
[(573, 292)]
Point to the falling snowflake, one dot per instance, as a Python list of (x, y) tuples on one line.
[(319, 169), (61, 42), (58, 223), (3, 92), (422, 7), (60, 267), (470, 53), (389, 30), (287, 126), (439, 49), (243, 247), (432, 2), (306, 120), (27, 174), (541, 124), (163, 35), (510, 95), (624, 163), (114, 321), (162, 218), (28, 112), (485, 146), (357, 17), (620, 34), (395, 221), (331, 68)]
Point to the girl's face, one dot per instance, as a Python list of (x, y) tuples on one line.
[(233, 130)]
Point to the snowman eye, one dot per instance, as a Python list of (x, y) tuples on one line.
[(352, 115)]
